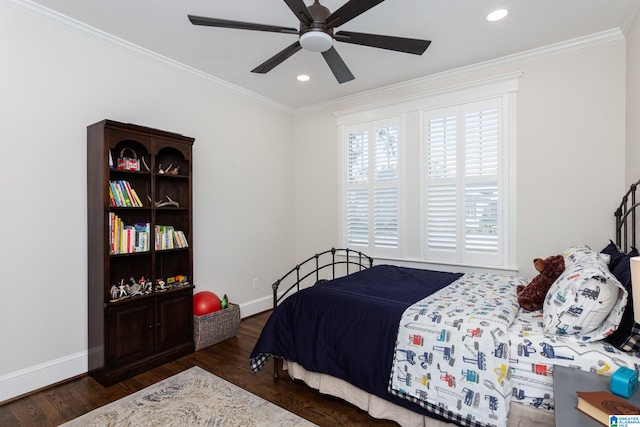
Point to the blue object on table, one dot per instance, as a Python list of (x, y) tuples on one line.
[(624, 382)]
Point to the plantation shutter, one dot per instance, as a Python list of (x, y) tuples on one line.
[(442, 196), (462, 147), (357, 192), (480, 150), (372, 193)]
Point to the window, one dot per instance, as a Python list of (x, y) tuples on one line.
[(429, 179), (372, 187), (462, 190)]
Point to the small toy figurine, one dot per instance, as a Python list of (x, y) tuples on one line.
[(122, 290), (160, 283), (114, 292)]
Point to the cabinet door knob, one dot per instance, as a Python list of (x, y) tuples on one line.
[(158, 325), (151, 326)]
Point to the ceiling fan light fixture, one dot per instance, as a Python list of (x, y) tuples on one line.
[(497, 15), (303, 78), (316, 41)]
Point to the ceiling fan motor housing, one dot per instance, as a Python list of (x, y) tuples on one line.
[(316, 37)]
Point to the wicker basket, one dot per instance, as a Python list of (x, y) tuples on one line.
[(215, 327)]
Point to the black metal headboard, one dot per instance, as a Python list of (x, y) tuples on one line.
[(626, 219)]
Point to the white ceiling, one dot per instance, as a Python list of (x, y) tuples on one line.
[(458, 30)]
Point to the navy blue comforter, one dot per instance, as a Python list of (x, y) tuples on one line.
[(347, 327)]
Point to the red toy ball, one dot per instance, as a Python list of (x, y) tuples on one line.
[(205, 302)]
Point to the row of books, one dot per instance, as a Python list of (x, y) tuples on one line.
[(121, 194), (126, 239), (166, 237)]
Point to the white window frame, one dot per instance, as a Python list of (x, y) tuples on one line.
[(411, 214)]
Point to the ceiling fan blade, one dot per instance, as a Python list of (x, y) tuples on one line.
[(277, 59), (337, 65), (350, 10), (399, 44), (300, 10), (224, 23)]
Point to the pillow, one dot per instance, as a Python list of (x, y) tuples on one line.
[(586, 302), (627, 335), (581, 254), (614, 254)]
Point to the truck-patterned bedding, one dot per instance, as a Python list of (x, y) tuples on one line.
[(534, 353), (452, 351)]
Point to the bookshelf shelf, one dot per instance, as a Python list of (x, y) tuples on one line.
[(140, 277)]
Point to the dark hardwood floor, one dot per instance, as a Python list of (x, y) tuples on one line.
[(229, 360)]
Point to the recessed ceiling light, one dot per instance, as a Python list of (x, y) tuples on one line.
[(497, 15), (303, 77)]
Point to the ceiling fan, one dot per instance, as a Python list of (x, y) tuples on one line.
[(316, 34)]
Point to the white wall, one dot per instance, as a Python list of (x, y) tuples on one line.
[(53, 83), (570, 149), (633, 104)]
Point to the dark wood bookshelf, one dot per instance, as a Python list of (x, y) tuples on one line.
[(133, 333)]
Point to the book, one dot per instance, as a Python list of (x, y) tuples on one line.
[(112, 190), (125, 193), (137, 199), (129, 195), (600, 404)]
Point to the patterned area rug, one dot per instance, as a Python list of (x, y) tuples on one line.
[(194, 397)]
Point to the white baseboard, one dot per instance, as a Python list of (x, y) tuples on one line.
[(26, 380), (33, 378), (256, 306)]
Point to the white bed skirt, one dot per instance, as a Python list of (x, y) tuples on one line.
[(519, 415)]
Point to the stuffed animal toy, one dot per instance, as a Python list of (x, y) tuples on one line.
[(531, 297)]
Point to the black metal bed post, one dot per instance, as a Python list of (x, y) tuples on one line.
[(625, 233), (317, 268), (633, 214), (333, 263), (618, 215), (275, 287)]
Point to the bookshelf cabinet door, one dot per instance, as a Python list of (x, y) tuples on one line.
[(174, 326), (131, 329)]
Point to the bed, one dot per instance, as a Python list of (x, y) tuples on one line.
[(425, 347)]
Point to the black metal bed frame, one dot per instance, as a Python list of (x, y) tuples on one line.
[(627, 212), (351, 258)]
